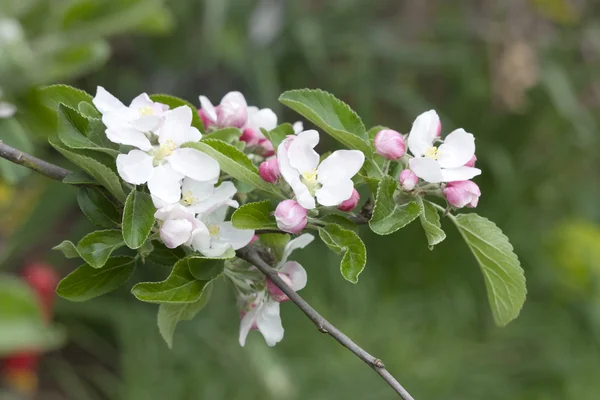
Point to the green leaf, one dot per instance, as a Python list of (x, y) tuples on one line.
[(174, 102), (349, 246), (23, 327), (68, 249), (79, 132), (103, 174), (341, 221), (276, 242), (138, 219), (162, 255), (330, 114), (391, 214), (96, 247), (430, 220), (52, 96), (504, 278), (233, 162), (86, 282), (277, 135), (170, 314), (99, 209), (88, 110), (226, 134), (257, 215), (206, 269), (79, 178), (179, 287)]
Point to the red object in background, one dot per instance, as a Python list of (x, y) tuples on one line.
[(20, 370)]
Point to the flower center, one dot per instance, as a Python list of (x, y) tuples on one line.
[(309, 178), (433, 152), (146, 110), (187, 198), (214, 230), (165, 150)]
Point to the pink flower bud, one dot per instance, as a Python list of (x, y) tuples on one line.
[(269, 170), (471, 162), (349, 204), (439, 129), (205, 119), (276, 293), (389, 144), (290, 216), (267, 146), (462, 193), (408, 179), (232, 114), (250, 136)]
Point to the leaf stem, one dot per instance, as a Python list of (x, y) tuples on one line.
[(45, 168)]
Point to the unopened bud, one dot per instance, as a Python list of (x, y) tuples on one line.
[(290, 216), (471, 162), (408, 180), (389, 144), (462, 193), (269, 170), (348, 205)]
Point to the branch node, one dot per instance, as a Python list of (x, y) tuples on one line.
[(377, 363), (322, 329)]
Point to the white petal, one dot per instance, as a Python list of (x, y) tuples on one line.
[(141, 101), (176, 127), (290, 175), (427, 169), (423, 133), (334, 193), (221, 195), (236, 99), (158, 203), (246, 324), (208, 108), (217, 216), (135, 167), (165, 184), (299, 243), (264, 118), (296, 273), (197, 191), (301, 154), (298, 127), (173, 211), (459, 174), (129, 136), (146, 123), (200, 239), (175, 232), (458, 148), (215, 249), (236, 238), (106, 102), (194, 164), (269, 322), (341, 165)]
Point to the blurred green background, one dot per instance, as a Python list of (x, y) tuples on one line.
[(522, 76)]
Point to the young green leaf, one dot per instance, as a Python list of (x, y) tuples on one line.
[(349, 245), (86, 282), (96, 247), (97, 170), (79, 178), (52, 96), (170, 314), (389, 214), (96, 205), (504, 278), (233, 162), (341, 221), (430, 220), (68, 249), (88, 110), (227, 135), (174, 102), (257, 215), (138, 219), (162, 255), (276, 242), (79, 132), (179, 287), (330, 114), (277, 135), (206, 269)]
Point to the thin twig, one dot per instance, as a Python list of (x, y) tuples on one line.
[(252, 255), (45, 168)]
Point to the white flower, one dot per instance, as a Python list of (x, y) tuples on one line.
[(129, 125), (231, 112), (330, 181), (215, 235), (443, 164), (264, 118), (203, 197), (177, 226), (166, 164)]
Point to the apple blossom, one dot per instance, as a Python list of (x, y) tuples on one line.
[(389, 144), (204, 197), (330, 181), (291, 272), (231, 112), (443, 164), (462, 193), (471, 162), (166, 164), (348, 205), (177, 225), (129, 125), (269, 170), (408, 180), (215, 236), (290, 216)]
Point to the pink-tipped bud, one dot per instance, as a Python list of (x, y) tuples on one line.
[(205, 119), (232, 114), (389, 144), (349, 204), (290, 216), (439, 129), (462, 193), (250, 136), (408, 180), (267, 146), (471, 162), (276, 293), (269, 170)]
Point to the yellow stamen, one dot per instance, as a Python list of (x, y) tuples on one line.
[(433, 152), (146, 110), (309, 178), (214, 230), (187, 198), (165, 150)]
